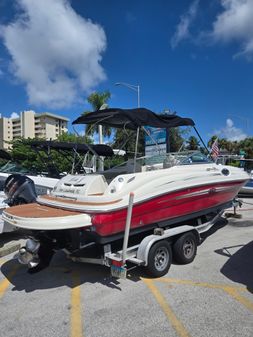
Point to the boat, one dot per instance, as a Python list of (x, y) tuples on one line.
[(43, 184), (247, 189), (245, 164), (82, 156), (87, 208)]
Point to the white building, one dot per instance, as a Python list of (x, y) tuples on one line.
[(30, 125)]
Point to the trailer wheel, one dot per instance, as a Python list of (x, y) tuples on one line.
[(159, 259), (185, 248)]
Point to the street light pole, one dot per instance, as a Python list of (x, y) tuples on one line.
[(100, 136), (138, 94), (132, 87), (137, 89)]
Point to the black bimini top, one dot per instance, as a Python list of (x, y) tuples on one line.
[(99, 149), (132, 119)]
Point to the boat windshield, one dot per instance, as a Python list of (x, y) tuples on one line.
[(176, 158), (157, 162), (11, 167)]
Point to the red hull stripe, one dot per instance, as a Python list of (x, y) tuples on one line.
[(169, 206)]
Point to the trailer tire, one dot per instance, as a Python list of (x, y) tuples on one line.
[(185, 248), (159, 259)]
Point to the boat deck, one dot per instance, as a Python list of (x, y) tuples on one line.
[(38, 211)]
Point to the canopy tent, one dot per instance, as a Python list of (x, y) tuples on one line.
[(132, 119)]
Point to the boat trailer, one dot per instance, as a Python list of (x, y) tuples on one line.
[(154, 251)]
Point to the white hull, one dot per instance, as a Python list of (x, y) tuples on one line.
[(90, 194), (4, 226)]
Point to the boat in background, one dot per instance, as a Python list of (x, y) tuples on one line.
[(247, 189), (82, 209), (244, 164), (83, 158), (43, 184)]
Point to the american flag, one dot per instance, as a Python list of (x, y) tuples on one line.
[(215, 149)]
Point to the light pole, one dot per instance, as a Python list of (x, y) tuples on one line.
[(100, 135), (137, 89), (132, 87)]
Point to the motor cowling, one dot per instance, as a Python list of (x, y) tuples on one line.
[(19, 189)]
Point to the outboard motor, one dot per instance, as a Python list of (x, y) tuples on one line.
[(19, 189), (38, 252)]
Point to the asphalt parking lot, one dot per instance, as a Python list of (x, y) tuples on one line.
[(212, 296)]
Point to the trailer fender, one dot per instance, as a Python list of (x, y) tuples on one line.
[(148, 241)]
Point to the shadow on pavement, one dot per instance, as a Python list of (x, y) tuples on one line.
[(61, 272), (222, 222), (13, 236), (239, 267)]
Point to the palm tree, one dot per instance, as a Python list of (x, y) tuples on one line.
[(96, 100), (211, 141), (192, 143), (175, 139)]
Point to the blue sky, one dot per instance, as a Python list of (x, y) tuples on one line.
[(191, 56)]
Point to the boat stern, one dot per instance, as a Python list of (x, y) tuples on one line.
[(39, 217)]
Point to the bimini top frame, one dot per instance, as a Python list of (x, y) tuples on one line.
[(134, 119)]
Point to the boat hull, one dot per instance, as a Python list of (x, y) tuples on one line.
[(168, 207)]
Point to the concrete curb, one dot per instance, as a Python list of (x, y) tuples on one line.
[(9, 248), (10, 242)]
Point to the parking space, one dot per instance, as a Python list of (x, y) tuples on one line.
[(212, 296)]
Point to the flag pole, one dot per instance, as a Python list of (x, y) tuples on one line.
[(215, 150)]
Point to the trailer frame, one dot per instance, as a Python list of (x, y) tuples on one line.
[(139, 254)]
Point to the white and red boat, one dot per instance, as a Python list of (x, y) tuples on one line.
[(85, 208)]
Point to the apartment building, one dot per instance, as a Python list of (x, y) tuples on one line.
[(5, 132), (32, 125)]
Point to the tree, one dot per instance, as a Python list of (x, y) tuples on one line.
[(23, 154), (193, 143), (96, 100), (125, 140), (73, 138), (247, 146), (175, 139), (39, 161), (212, 140), (225, 144)]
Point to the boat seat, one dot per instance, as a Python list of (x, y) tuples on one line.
[(169, 161)]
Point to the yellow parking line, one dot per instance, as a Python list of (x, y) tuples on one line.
[(176, 323), (244, 301), (199, 284), (233, 291), (76, 319), (5, 283)]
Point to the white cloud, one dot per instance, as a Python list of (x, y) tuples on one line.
[(230, 132), (55, 52), (182, 29), (14, 115), (235, 23)]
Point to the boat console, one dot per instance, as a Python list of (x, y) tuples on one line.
[(74, 186)]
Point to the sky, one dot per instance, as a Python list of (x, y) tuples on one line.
[(194, 57)]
